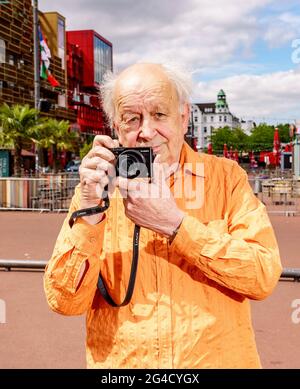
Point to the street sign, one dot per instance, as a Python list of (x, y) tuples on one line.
[(4, 163)]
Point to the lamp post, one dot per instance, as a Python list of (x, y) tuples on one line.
[(36, 55), (36, 64), (296, 151), (193, 132)]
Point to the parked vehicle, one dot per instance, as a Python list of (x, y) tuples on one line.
[(73, 166)]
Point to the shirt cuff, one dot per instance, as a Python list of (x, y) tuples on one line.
[(87, 238), (190, 238)]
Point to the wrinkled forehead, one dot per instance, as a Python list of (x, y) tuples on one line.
[(144, 88)]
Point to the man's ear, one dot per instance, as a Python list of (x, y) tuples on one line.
[(185, 117), (117, 131)]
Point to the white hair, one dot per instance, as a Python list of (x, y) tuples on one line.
[(182, 81)]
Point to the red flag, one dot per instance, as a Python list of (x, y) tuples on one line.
[(236, 155), (53, 81), (276, 147), (195, 144), (209, 149), (225, 151)]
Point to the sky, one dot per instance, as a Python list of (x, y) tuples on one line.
[(250, 49)]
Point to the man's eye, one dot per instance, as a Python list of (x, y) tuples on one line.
[(159, 115), (133, 119)]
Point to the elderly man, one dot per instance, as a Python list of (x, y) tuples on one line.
[(201, 257)]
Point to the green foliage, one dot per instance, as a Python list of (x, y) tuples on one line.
[(52, 132), (85, 149), (284, 132), (17, 126), (234, 138), (17, 123), (55, 134), (261, 138)]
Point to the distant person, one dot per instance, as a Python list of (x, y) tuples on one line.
[(203, 252)]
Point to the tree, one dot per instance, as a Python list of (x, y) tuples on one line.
[(234, 138), (284, 132), (55, 134), (85, 149), (17, 124), (261, 138)]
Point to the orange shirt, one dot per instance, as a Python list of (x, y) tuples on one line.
[(190, 306)]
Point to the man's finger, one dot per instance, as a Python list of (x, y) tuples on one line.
[(122, 183), (103, 140), (101, 152)]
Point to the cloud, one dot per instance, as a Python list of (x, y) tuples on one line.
[(273, 97), (215, 40), (194, 32), (281, 29)]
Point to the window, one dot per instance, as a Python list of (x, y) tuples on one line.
[(204, 119), (2, 51), (211, 118), (102, 58), (225, 118), (205, 129), (196, 118), (11, 59), (10, 85), (61, 41), (220, 118)]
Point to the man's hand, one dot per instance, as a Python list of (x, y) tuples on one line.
[(96, 168), (151, 205)]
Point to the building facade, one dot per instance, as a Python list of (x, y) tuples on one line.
[(207, 117), (77, 61), (247, 126), (52, 26), (17, 59), (89, 58), (16, 52)]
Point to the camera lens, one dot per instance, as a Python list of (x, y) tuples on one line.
[(131, 164)]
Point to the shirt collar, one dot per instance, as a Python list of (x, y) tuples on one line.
[(191, 161)]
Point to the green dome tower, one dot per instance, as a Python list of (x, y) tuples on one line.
[(221, 104)]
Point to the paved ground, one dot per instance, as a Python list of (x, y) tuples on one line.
[(35, 337)]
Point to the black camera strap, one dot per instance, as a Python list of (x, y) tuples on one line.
[(88, 211), (135, 254)]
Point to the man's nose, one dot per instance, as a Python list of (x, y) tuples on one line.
[(148, 130)]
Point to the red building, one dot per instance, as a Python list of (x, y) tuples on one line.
[(89, 57)]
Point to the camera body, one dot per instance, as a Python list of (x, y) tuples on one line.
[(133, 162)]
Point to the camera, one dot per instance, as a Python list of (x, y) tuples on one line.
[(133, 162)]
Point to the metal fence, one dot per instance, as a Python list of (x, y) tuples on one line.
[(40, 264), (280, 195), (48, 193)]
